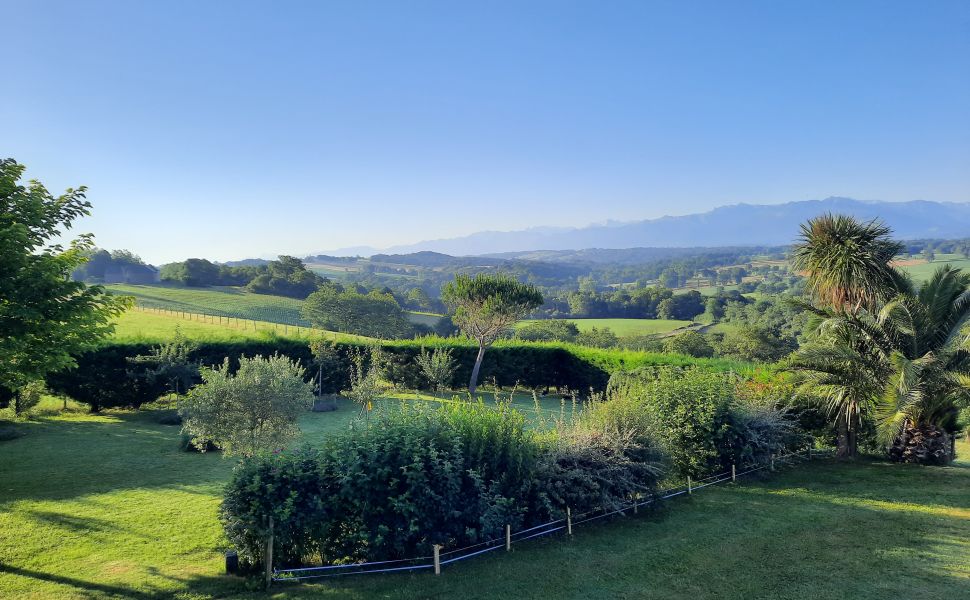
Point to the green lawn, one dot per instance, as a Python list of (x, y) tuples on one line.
[(626, 327), (106, 506)]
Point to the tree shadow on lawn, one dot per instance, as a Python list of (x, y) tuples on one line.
[(59, 459), (825, 538), (812, 532)]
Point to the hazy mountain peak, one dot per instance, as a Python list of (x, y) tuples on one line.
[(739, 224)]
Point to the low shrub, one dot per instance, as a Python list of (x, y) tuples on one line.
[(704, 421), (28, 397)]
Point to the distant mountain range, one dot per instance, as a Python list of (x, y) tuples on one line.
[(735, 225)]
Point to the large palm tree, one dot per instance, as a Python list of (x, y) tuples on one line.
[(904, 361), (847, 262), (848, 267)]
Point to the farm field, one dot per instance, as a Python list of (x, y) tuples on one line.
[(223, 301), (229, 301), (127, 515), (921, 271), (145, 326), (625, 327)]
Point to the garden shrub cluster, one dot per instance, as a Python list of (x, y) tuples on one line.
[(705, 421), (419, 475)]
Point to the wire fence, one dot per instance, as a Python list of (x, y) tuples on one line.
[(440, 558), (228, 321)]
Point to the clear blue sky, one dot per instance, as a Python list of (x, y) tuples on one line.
[(232, 129)]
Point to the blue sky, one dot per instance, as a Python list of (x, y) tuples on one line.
[(235, 129)]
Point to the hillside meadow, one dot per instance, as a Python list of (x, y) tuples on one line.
[(229, 301)]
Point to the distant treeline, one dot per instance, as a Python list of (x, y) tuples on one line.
[(287, 276), (116, 266)]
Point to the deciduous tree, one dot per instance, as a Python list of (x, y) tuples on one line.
[(45, 318)]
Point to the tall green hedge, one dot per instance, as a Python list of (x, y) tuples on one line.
[(106, 378)]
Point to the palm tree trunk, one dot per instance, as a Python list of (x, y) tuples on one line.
[(853, 442), (473, 383), (844, 449)]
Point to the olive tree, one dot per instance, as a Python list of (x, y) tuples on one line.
[(255, 409), (487, 305)]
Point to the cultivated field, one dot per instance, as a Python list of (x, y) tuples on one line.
[(921, 270), (626, 327), (106, 506)]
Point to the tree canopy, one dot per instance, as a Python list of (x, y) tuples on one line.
[(374, 314), (45, 318), (485, 306)]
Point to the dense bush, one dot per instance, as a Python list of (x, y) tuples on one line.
[(705, 421), (412, 478), (691, 343), (453, 475)]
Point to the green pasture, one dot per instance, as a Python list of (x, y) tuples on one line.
[(221, 301), (626, 327), (922, 272), (234, 302), (107, 507), (145, 326)]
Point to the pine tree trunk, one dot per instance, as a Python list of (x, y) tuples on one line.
[(473, 383)]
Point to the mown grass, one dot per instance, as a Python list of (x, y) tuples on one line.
[(625, 327), (227, 301), (144, 326), (223, 301), (106, 506)]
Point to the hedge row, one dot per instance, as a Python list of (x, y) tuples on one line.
[(105, 377)]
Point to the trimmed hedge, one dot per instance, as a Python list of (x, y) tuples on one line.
[(106, 378)]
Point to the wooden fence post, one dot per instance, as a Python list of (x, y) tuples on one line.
[(569, 521), (508, 538), (734, 475), (437, 559), (690, 490), (772, 462), (269, 555)]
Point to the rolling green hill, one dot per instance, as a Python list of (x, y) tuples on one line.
[(233, 302)]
